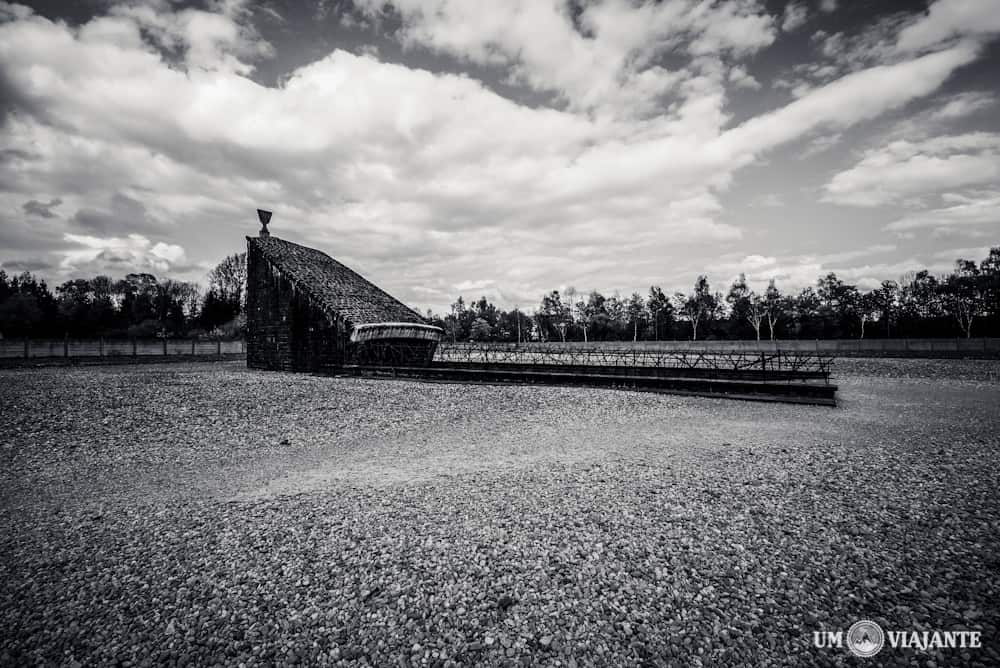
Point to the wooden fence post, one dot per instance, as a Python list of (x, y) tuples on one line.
[(164, 346), (26, 347), (100, 347), (133, 347), (192, 347), (66, 345), (218, 347)]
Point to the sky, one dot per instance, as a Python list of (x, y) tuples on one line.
[(505, 149)]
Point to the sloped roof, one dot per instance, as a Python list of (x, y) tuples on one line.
[(333, 286)]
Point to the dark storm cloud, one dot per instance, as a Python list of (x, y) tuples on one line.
[(41, 209), (124, 216), (27, 264)]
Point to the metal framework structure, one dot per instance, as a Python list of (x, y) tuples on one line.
[(769, 376), (391, 352), (775, 366)]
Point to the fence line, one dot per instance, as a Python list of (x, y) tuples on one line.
[(116, 348), (51, 348), (988, 347)]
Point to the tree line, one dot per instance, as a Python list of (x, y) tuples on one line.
[(136, 306), (965, 302)]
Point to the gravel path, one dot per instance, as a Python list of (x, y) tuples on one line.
[(201, 514)]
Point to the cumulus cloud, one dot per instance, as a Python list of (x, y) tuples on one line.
[(222, 40), (904, 169), (740, 78), (592, 59), (792, 272), (796, 15), (148, 125), (115, 255)]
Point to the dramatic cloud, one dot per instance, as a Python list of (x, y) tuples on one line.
[(537, 144), (603, 57)]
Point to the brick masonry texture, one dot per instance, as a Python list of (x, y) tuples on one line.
[(302, 304)]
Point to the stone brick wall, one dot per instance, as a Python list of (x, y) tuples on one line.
[(285, 331)]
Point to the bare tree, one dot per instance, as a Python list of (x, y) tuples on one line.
[(756, 312)]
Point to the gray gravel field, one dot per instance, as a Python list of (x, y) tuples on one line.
[(203, 514)]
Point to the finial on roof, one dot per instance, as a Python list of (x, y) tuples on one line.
[(265, 218)]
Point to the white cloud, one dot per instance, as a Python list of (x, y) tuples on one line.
[(740, 78), (794, 272), (420, 179), (947, 19), (117, 255), (545, 50), (962, 212), (964, 104), (903, 169), (796, 15), (758, 262), (853, 98), (222, 40)]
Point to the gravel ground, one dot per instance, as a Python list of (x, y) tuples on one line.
[(205, 514)]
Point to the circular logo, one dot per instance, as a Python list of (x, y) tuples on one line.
[(865, 638)]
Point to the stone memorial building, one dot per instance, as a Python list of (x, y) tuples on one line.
[(307, 312)]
